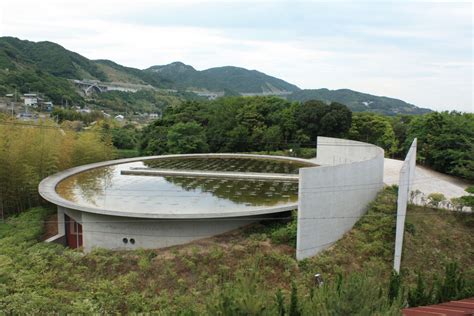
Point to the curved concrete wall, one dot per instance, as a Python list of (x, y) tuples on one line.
[(335, 195), (105, 231)]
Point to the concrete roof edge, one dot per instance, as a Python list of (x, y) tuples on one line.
[(47, 188)]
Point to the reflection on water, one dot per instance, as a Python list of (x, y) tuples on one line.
[(107, 188), (248, 192), (228, 164), (86, 184)]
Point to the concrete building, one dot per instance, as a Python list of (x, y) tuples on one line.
[(30, 99), (119, 207), (132, 203)]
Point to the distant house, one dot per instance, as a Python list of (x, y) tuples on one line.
[(119, 118), (154, 116), (30, 99)]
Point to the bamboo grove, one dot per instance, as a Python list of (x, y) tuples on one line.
[(30, 152)]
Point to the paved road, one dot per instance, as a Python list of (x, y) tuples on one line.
[(426, 180)]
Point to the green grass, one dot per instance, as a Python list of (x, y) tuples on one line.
[(239, 273)]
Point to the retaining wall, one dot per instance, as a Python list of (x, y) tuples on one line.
[(333, 196)]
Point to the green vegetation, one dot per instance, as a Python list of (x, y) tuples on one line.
[(119, 73), (237, 124), (232, 80), (142, 101), (125, 137), (20, 60), (250, 271), (48, 57), (434, 199), (62, 115), (445, 142), (127, 153), (28, 80), (468, 200), (357, 101), (29, 153), (249, 124), (375, 129)]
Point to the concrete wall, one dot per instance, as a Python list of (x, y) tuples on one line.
[(407, 175), (105, 231), (335, 195)]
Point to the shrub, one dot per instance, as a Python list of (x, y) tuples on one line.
[(435, 199)]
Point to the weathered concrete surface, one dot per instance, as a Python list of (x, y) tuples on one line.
[(47, 189), (426, 180), (213, 174), (405, 183), (102, 231), (335, 195), (107, 228)]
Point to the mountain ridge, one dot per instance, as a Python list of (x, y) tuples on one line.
[(43, 66), (358, 101), (217, 79)]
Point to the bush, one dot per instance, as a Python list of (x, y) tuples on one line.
[(435, 199)]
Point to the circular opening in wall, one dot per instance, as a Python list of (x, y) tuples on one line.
[(132, 241), (125, 240)]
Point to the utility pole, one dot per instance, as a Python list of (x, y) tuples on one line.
[(13, 102)]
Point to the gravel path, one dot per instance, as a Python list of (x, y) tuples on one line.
[(426, 180)]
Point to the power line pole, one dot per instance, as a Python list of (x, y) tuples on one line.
[(13, 103)]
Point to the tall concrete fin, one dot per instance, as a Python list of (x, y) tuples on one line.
[(407, 176)]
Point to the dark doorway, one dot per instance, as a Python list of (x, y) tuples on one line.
[(73, 232)]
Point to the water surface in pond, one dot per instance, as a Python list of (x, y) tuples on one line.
[(228, 164), (106, 188)]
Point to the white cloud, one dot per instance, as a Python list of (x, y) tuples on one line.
[(427, 63)]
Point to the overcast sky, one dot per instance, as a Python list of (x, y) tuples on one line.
[(421, 52)]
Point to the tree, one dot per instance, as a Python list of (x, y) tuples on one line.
[(468, 200), (30, 153), (336, 122), (272, 138), (375, 129), (309, 116), (394, 286), (124, 137), (184, 138), (453, 285), (419, 295), (294, 309), (445, 142)]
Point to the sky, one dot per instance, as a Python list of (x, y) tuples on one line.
[(417, 51)]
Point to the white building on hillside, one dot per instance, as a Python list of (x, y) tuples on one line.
[(31, 99)]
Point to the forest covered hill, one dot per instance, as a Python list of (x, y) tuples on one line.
[(45, 67), (358, 101)]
